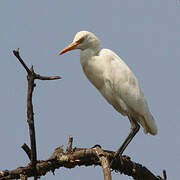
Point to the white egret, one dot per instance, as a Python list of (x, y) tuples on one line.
[(115, 81)]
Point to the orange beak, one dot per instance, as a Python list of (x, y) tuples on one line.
[(70, 47)]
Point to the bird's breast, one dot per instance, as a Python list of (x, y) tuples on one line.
[(95, 73), (99, 74)]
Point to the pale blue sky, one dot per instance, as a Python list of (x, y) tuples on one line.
[(145, 34)]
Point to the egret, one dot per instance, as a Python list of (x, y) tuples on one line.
[(116, 82)]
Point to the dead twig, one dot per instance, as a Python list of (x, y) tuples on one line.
[(164, 175), (31, 76), (26, 148), (69, 147)]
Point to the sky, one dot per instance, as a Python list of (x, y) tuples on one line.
[(145, 34)]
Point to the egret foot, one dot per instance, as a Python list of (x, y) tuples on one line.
[(117, 160)]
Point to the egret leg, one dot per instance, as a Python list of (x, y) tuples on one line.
[(134, 129)]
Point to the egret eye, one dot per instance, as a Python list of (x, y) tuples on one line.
[(81, 40)]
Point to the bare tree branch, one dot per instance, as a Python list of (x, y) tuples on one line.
[(69, 147), (164, 175), (80, 157), (104, 163), (30, 119), (36, 76), (16, 53), (31, 76), (26, 148), (23, 177)]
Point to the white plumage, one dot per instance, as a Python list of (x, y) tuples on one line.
[(116, 82)]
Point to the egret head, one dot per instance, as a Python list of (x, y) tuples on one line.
[(83, 40)]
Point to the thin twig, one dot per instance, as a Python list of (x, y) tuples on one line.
[(164, 175), (37, 76), (16, 53), (26, 148), (69, 146)]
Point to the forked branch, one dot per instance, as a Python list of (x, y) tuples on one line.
[(31, 76), (81, 157)]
